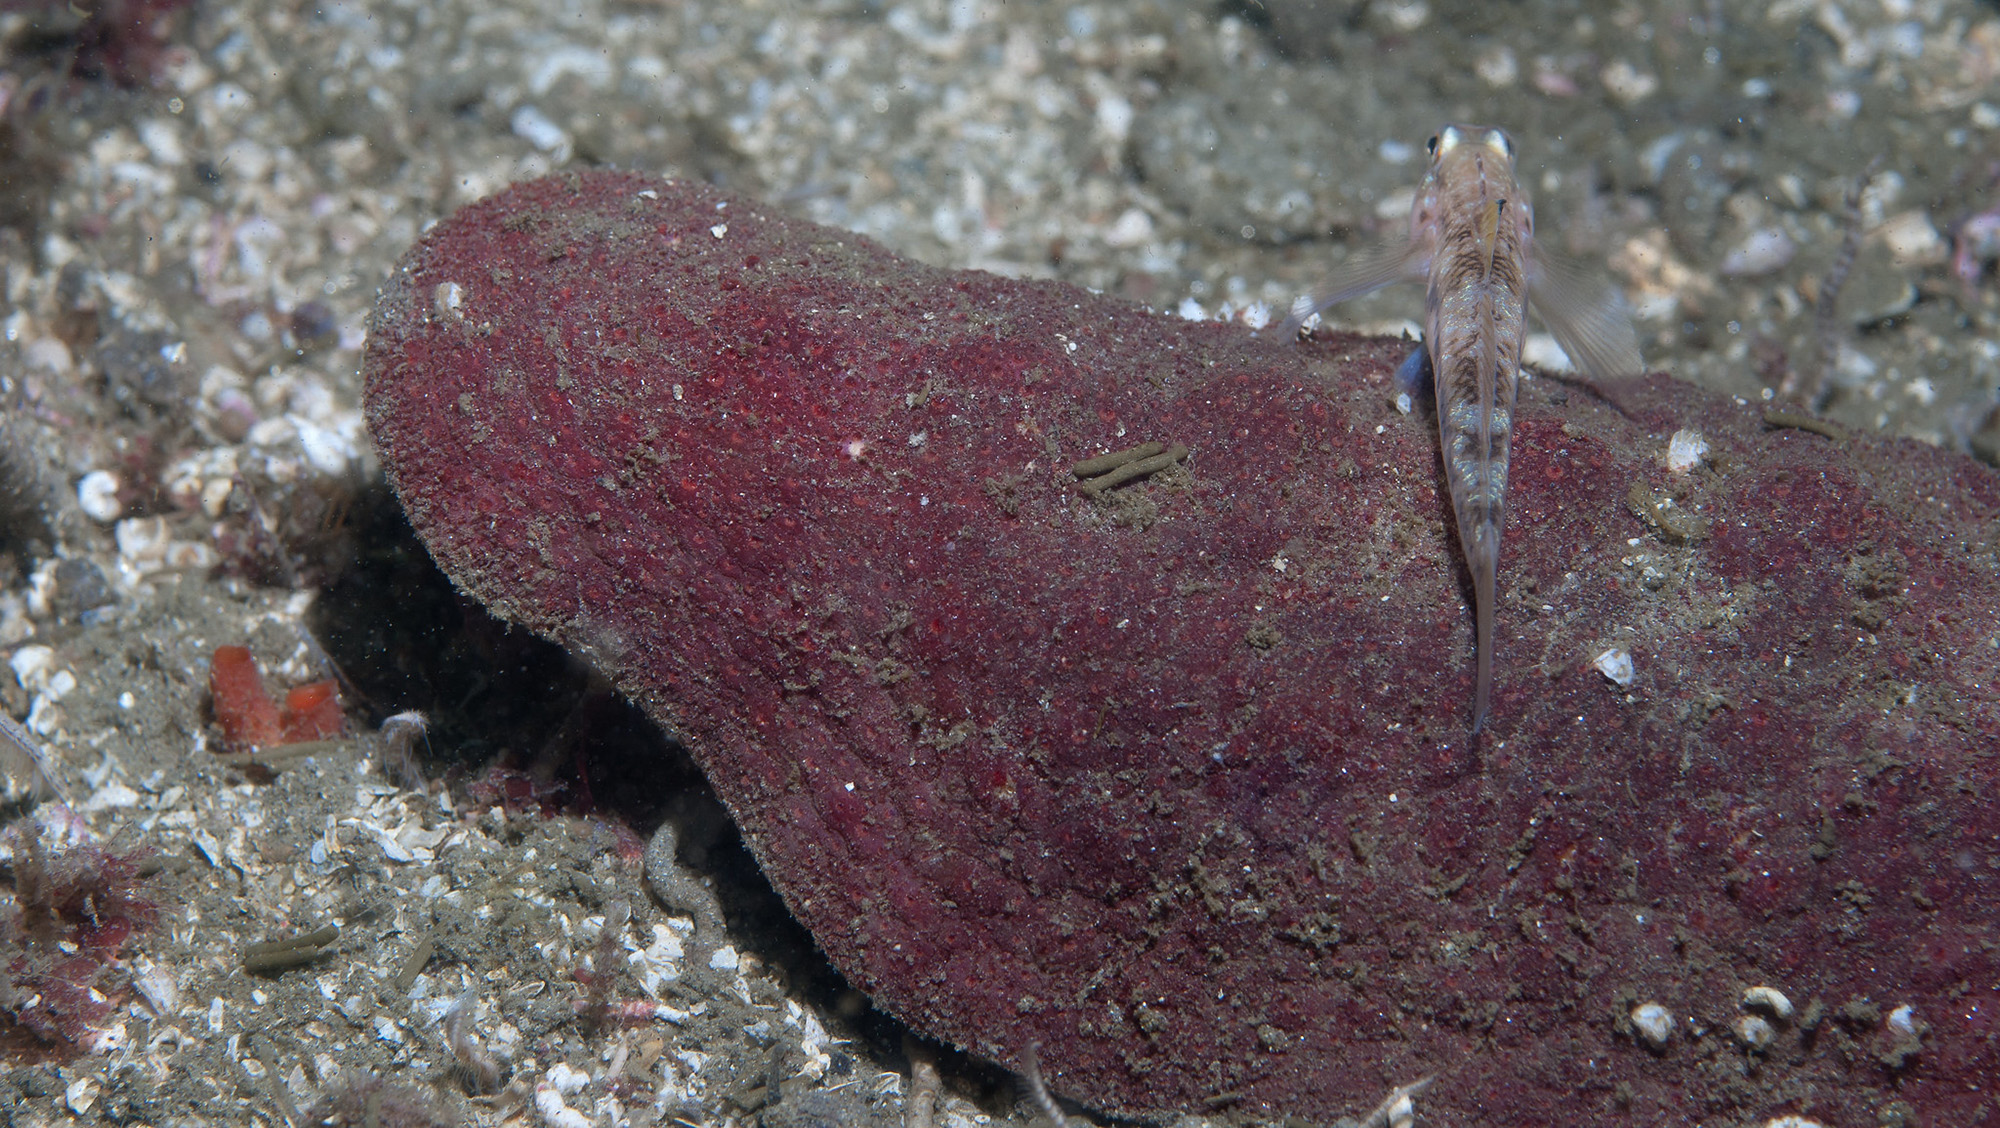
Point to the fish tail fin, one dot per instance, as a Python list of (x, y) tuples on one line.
[(1483, 559), (1483, 696)]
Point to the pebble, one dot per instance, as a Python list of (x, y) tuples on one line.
[(1654, 1024), (1913, 240), (80, 586), (1628, 83), (1755, 1033), (1763, 251), (1770, 1000)]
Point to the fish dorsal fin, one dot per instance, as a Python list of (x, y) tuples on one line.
[(1486, 229)]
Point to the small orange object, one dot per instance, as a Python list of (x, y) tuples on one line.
[(245, 712), (251, 720), (312, 712)]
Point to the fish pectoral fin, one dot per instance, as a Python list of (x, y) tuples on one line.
[(1413, 376), (1385, 264), (1587, 313)]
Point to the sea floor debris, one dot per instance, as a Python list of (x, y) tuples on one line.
[(189, 263)]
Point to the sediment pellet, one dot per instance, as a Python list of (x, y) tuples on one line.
[(1092, 467), (414, 966), (275, 955), (1131, 470), (1776, 418)]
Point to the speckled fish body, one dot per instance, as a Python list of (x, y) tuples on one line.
[(1472, 242), (1475, 314)]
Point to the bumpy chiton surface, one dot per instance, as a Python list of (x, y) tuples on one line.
[(1174, 779)]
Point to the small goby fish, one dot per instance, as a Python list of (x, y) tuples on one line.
[(1472, 241)]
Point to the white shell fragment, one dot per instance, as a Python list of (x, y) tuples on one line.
[(1654, 1024), (81, 1095), (530, 124), (1792, 1122), (1685, 451), (566, 1079), (1903, 1021), (554, 1112), (1616, 664), (1755, 1033), (31, 666), (1770, 1000), (447, 300), (156, 985), (97, 496), (1399, 1108), (145, 546)]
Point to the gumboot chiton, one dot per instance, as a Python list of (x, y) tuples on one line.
[(1173, 778)]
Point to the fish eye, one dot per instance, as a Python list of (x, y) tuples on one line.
[(1432, 144)]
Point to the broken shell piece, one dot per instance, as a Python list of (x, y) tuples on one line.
[(215, 494), (1616, 664), (1770, 1000), (156, 985), (1654, 1024), (1903, 1021), (1686, 450), (1792, 1122), (448, 301), (97, 496), (1755, 1033), (1397, 1110), (81, 1095)]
